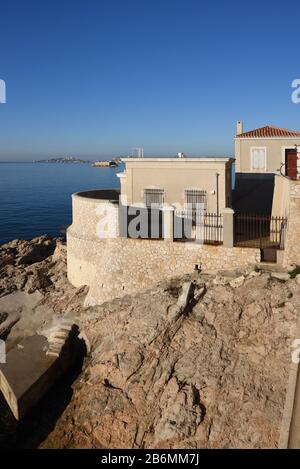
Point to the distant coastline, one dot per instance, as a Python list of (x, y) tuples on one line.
[(67, 160), (71, 160), (112, 163)]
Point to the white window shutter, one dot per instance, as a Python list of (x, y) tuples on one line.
[(255, 157), (258, 158)]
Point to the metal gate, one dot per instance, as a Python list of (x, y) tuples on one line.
[(198, 225), (259, 231)]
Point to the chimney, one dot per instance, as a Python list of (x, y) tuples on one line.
[(239, 127)]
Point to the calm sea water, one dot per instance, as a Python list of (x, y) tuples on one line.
[(35, 199)]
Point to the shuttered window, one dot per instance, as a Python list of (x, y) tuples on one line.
[(258, 159), (154, 197), (195, 197), (195, 202)]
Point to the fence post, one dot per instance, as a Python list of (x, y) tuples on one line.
[(228, 227), (168, 223)]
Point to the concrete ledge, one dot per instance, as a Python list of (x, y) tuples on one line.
[(30, 370)]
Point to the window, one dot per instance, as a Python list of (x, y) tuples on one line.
[(195, 199), (258, 159), (154, 197), (192, 197)]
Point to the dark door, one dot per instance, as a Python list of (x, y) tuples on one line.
[(291, 163)]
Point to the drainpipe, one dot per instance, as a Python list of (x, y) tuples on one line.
[(298, 161), (217, 191)]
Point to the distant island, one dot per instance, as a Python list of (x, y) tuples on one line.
[(71, 160), (67, 159)]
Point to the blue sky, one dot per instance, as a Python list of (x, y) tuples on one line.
[(95, 78)]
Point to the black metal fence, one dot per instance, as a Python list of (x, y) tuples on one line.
[(259, 231), (201, 226), (148, 223), (140, 222), (212, 228)]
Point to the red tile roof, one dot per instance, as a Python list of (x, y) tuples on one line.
[(269, 131)]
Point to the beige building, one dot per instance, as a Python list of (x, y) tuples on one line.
[(267, 150), (177, 182)]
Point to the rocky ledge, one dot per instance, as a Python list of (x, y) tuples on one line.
[(34, 290), (200, 361)]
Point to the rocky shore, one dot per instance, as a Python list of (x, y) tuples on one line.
[(34, 290), (201, 361)]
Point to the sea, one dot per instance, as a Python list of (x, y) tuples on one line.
[(35, 198)]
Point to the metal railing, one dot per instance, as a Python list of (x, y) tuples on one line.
[(212, 228), (196, 225), (154, 197), (259, 231)]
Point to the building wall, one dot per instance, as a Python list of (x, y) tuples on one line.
[(174, 176), (125, 266), (281, 197), (275, 152), (292, 244)]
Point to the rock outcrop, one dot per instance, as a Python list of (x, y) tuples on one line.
[(200, 361), (34, 289), (18, 264), (210, 372)]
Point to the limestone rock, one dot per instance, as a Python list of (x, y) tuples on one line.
[(7, 258), (254, 273), (181, 413), (220, 280), (182, 303), (213, 378), (237, 282), (37, 292), (27, 264), (38, 279), (7, 321), (283, 276), (60, 251), (36, 250), (291, 267)]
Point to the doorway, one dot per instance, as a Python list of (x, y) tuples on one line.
[(291, 163)]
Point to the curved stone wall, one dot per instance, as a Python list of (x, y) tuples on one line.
[(91, 211), (95, 218)]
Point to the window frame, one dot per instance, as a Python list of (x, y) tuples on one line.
[(192, 211), (151, 191), (258, 170), (202, 192)]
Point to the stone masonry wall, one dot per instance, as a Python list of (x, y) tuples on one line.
[(115, 267), (292, 242)]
